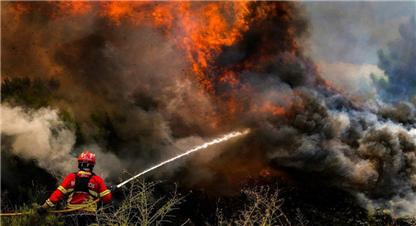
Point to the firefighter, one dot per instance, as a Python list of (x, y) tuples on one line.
[(79, 189)]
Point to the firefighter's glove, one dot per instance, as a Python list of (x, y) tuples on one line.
[(43, 209), (113, 189)]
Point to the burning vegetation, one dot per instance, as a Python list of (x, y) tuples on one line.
[(141, 82)]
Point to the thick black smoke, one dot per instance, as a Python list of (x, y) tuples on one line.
[(367, 148)]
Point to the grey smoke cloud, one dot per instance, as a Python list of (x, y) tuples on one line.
[(399, 64), (375, 158)]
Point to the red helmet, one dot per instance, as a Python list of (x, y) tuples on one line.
[(87, 157)]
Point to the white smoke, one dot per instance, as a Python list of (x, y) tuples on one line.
[(354, 79), (42, 136)]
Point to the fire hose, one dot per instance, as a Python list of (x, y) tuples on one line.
[(52, 211), (205, 145)]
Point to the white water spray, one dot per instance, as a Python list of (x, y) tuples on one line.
[(216, 141)]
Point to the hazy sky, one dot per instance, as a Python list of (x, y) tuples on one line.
[(352, 32), (346, 36)]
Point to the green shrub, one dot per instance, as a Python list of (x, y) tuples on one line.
[(36, 195), (34, 93), (32, 219), (74, 125)]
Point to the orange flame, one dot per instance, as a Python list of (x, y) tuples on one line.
[(205, 27), (64, 8), (275, 110), (18, 10), (200, 29)]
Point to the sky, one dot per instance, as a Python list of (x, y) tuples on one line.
[(345, 38), (352, 32)]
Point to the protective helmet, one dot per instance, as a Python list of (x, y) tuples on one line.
[(87, 157)]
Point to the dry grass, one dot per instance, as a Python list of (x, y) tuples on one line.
[(263, 208), (140, 207)]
